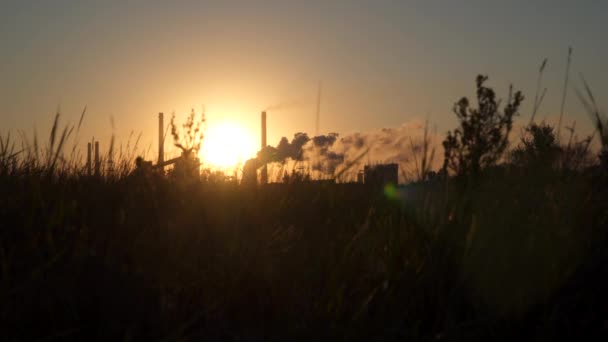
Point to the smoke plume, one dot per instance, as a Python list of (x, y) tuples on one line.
[(284, 105), (328, 154)]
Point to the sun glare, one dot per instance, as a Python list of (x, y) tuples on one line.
[(226, 145)]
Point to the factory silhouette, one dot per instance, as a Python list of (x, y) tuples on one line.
[(256, 170), (316, 152)]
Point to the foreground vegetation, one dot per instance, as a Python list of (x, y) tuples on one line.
[(511, 245)]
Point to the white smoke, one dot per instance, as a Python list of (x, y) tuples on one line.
[(402, 145)]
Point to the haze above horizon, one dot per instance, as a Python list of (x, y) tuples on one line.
[(382, 63)]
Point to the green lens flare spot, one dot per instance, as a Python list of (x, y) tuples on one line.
[(390, 191)]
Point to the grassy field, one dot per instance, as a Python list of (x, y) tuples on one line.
[(516, 251)]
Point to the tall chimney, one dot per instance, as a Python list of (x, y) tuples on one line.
[(161, 139), (97, 163), (89, 159), (264, 177)]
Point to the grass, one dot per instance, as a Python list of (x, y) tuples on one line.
[(519, 253)]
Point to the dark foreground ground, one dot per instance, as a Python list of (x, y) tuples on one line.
[(514, 256)]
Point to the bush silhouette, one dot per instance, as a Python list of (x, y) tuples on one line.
[(483, 134), (192, 135), (538, 147)]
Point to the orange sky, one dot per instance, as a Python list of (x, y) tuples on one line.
[(382, 63)]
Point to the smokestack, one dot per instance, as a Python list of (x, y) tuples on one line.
[(97, 164), (263, 129), (89, 171), (161, 139), (264, 168)]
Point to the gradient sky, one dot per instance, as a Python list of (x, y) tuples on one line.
[(382, 63)]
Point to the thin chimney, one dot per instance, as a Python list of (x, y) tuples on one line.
[(97, 163), (88, 159), (161, 139), (264, 176)]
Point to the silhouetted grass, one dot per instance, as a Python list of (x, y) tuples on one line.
[(520, 252)]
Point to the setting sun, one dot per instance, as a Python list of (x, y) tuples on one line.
[(226, 145)]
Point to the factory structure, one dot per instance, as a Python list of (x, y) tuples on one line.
[(264, 175), (376, 174), (255, 170), (379, 174), (251, 167)]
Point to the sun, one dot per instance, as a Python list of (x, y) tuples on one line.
[(226, 145)]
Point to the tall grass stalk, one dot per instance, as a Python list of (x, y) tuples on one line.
[(538, 99), (564, 93), (591, 106)]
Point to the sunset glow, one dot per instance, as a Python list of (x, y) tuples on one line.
[(227, 145)]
